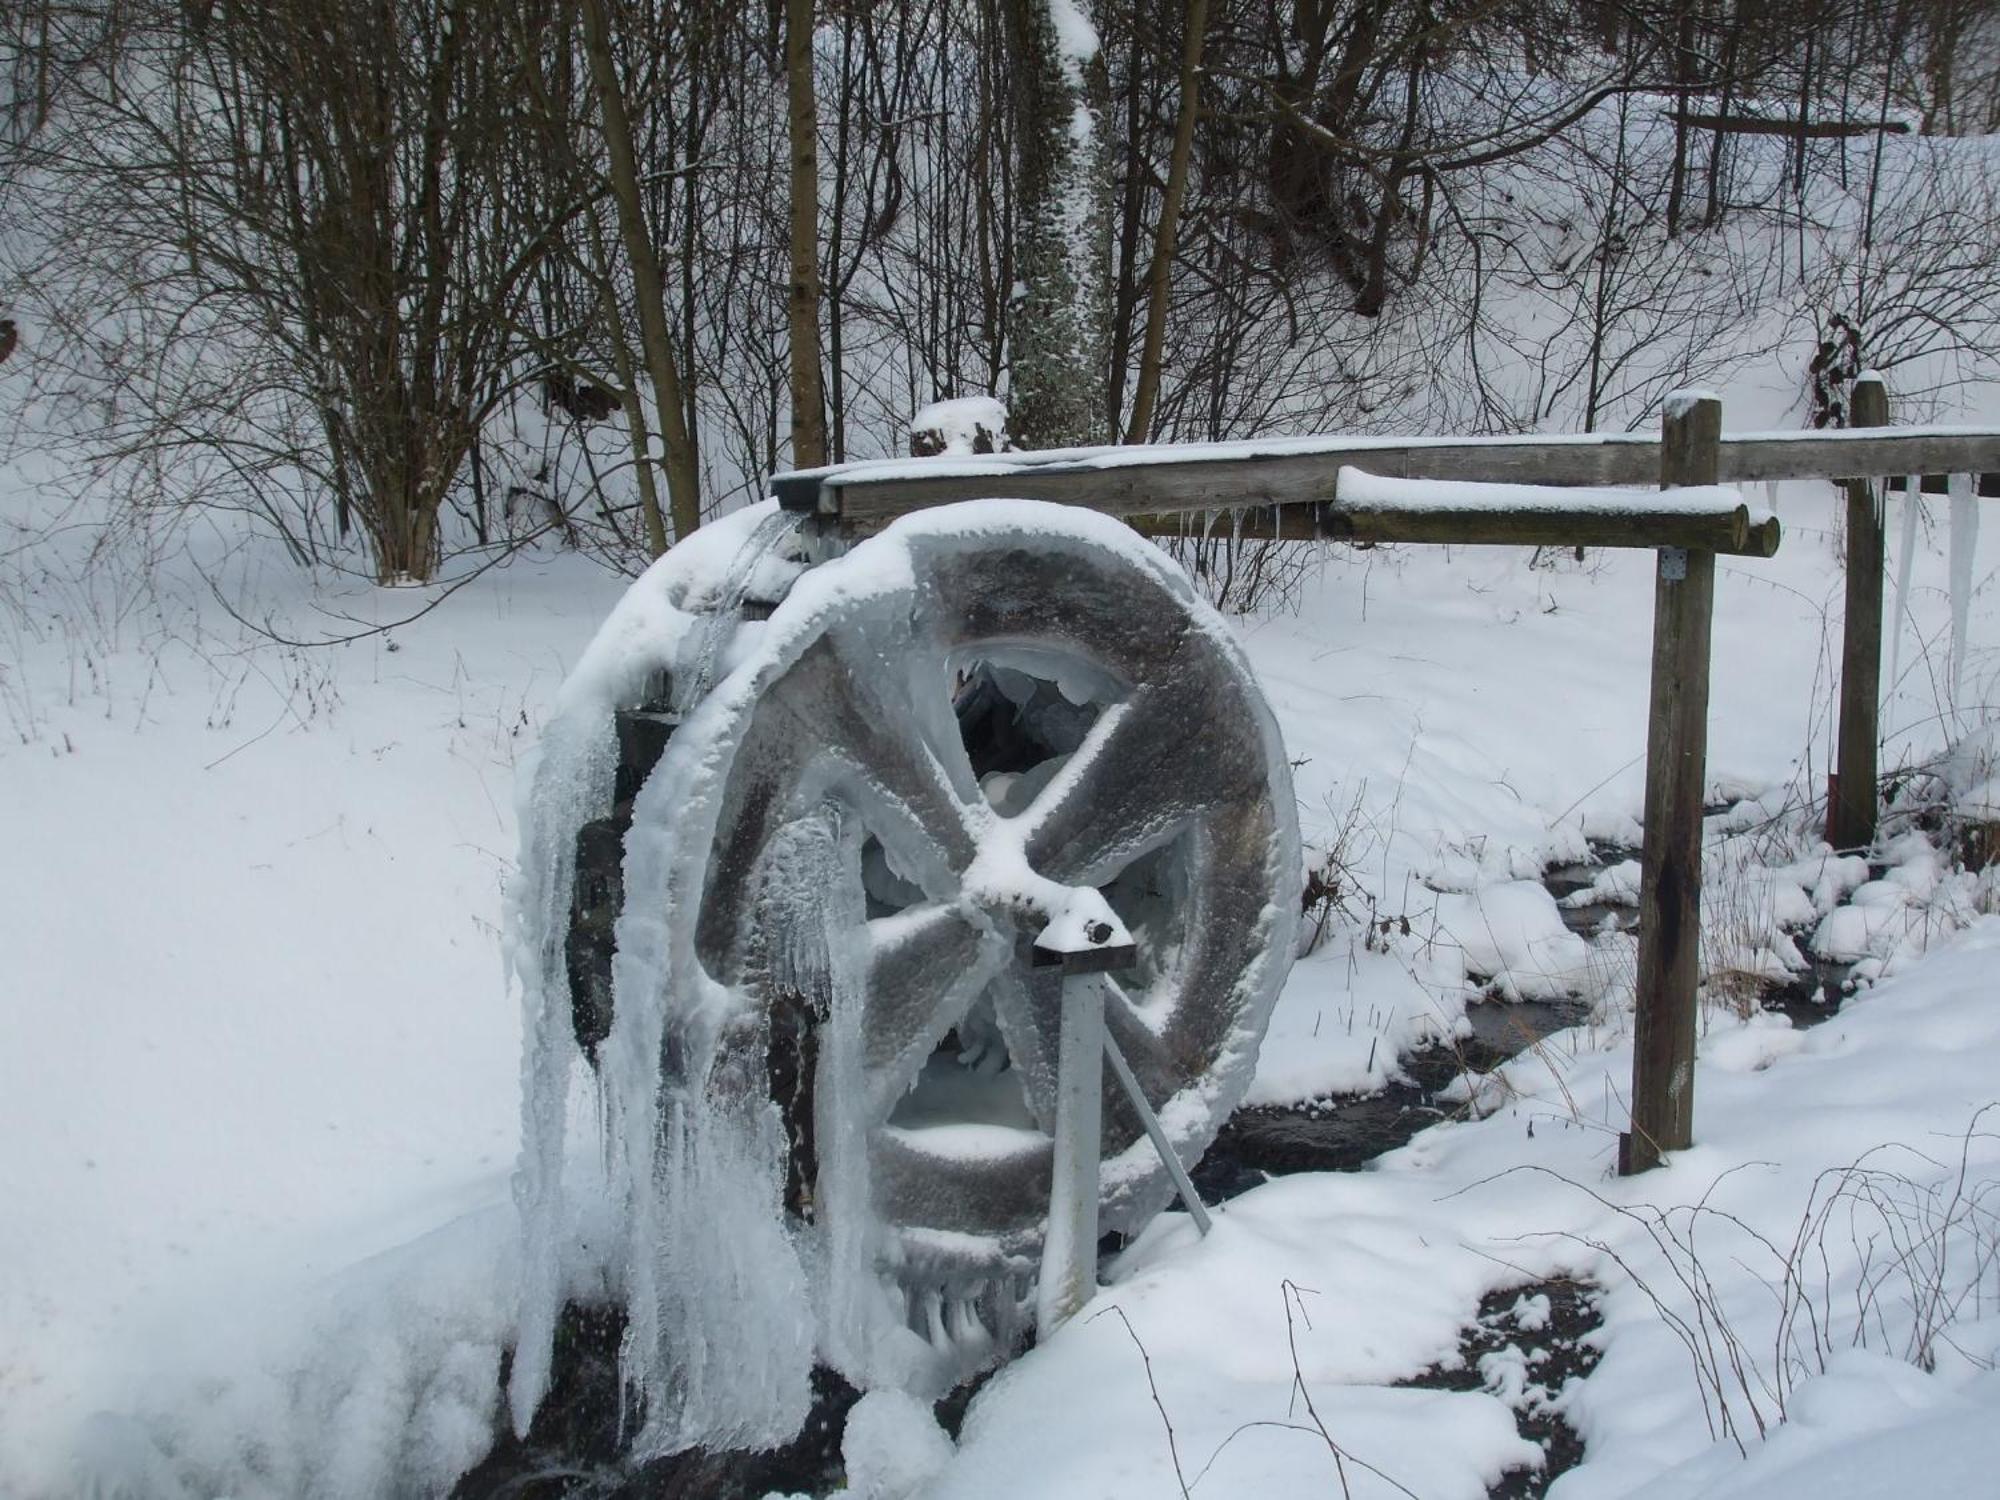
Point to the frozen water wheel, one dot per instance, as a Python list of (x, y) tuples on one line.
[(943, 738)]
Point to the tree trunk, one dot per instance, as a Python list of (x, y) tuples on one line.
[(683, 479), (1684, 71), (1159, 276), (1060, 325), (802, 305)]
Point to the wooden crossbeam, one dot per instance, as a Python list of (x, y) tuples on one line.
[(1291, 489), (1818, 130)]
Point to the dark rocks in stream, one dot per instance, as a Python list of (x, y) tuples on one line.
[(1527, 1343), (574, 1451), (1344, 1133)]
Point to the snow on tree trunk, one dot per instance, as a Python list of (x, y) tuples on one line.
[(1060, 324)]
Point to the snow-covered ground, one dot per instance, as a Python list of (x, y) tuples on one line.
[(259, 1064)]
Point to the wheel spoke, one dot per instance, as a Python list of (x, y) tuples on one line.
[(1136, 780), (1028, 1008), (925, 966), (907, 794)]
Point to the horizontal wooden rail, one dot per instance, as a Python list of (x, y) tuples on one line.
[(1294, 483), (1735, 532), (1561, 491)]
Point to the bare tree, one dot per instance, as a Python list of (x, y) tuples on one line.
[(683, 476), (802, 305), (290, 215), (1159, 274)]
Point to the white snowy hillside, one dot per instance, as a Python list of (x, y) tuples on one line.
[(529, 970)]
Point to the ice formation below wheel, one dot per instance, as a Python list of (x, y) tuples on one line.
[(835, 872)]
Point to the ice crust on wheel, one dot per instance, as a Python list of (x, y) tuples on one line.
[(990, 714)]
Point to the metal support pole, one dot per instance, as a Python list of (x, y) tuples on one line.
[(1069, 1253), (1081, 943)]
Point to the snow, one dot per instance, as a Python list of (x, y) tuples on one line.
[(1512, 935), (1085, 921), (1076, 38), (892, 1447), (1869, 1427), (1344, 1285), (260, 1077), (257, 1060), (1364, 491), (962, 423)]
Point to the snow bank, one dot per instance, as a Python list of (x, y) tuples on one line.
[(1512, 936), (1343, 1285)]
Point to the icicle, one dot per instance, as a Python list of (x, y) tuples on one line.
[(698, 669), (570, 783), (819, 903), (650, 1127), (1964, 542), (1771, 495), (1913, 500), (719, 1338)]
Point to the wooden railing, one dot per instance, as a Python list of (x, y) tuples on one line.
[(1563, 492)]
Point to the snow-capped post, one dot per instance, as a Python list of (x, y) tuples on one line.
[(1676, 769), (1850, 799), (959, 426)]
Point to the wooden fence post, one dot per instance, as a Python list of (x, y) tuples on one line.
[(1676, 770), (1850, 802)]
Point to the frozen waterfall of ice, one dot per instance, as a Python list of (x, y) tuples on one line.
[(666, 623)]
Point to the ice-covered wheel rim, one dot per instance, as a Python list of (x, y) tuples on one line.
[(937, 736)]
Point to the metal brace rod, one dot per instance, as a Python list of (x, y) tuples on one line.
[(1169, 1158)]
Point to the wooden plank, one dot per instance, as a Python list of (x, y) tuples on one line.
[(1676, 771), (1850, 813), (865, 497), (1731, 532), (868, 500), (1853, 452)]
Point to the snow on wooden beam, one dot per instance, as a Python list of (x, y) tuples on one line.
[(1291, 488), (1371, 508)]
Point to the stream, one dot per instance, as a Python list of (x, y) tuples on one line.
[(574, 1447)]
